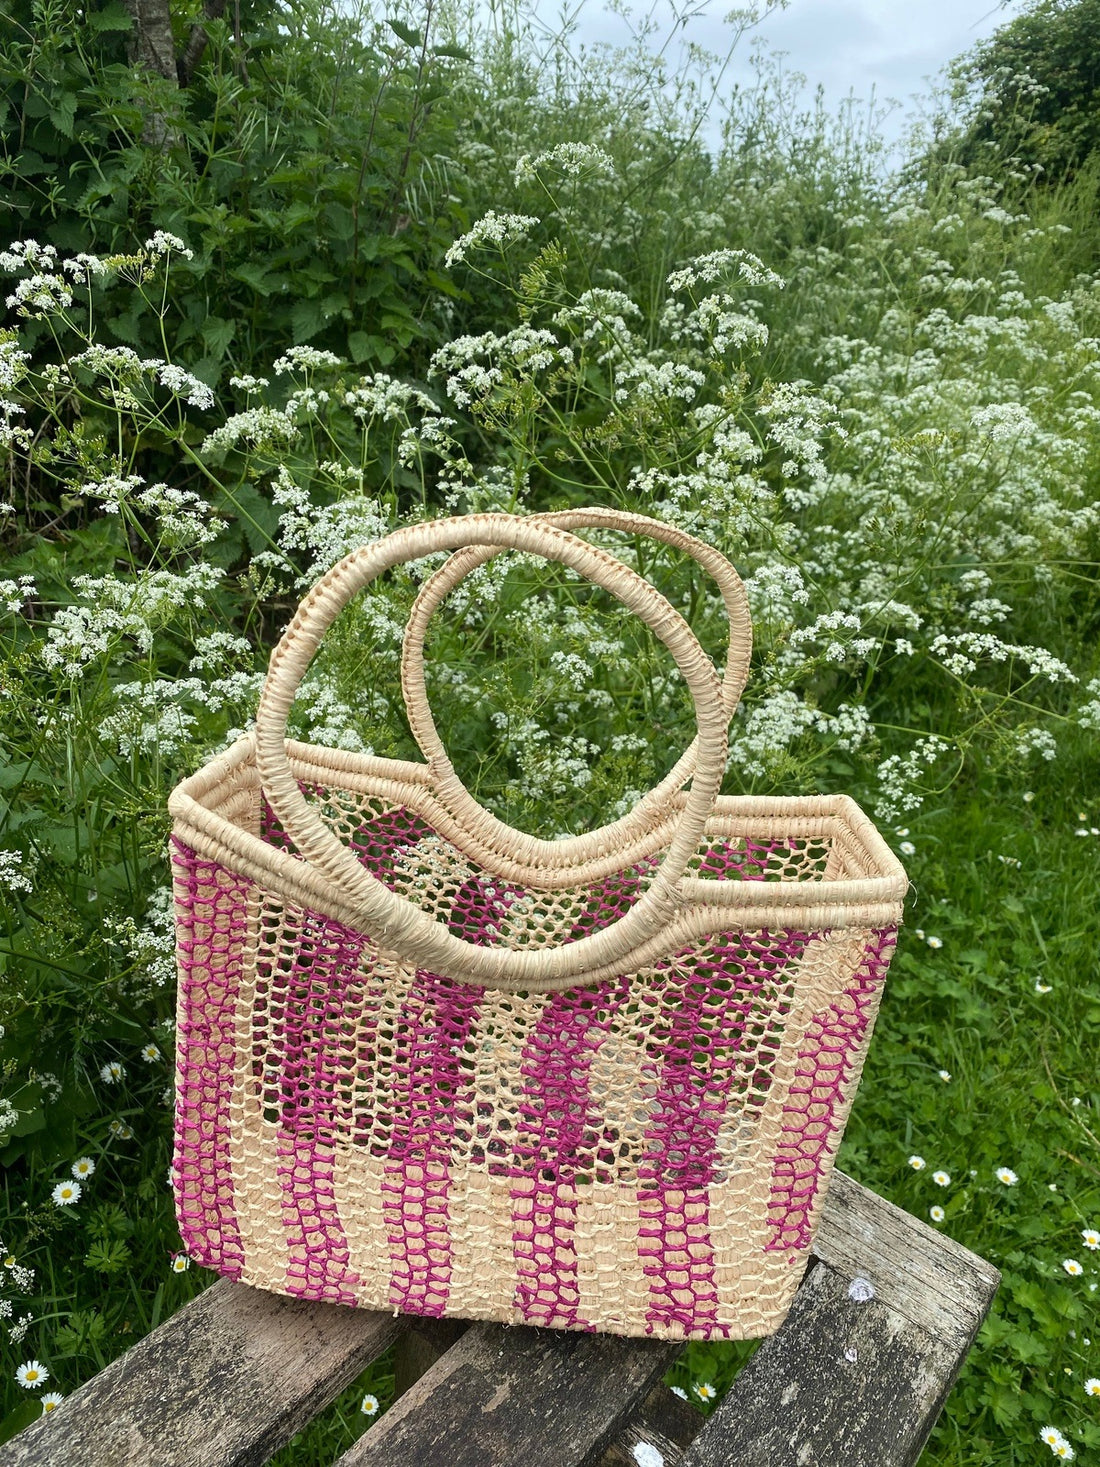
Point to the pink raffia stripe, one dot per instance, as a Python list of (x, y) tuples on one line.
[(824, 1073), (707, 1020), (211, 929), (560, 1139), (307, 1031), (431, 1097)]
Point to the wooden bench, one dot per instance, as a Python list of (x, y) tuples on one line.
[(859, 1382)]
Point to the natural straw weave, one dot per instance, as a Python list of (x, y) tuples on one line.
[(429, 1063)]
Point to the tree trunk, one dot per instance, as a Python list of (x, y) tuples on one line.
[(152, 48), (151, 44), (196, 44)]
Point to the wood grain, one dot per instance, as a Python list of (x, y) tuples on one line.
[(516, 1395), (850, 1384), (223, 1383)]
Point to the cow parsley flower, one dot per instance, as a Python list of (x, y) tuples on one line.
[(573, 159), (163, 243), (493, 229)]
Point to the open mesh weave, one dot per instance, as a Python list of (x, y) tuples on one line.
[(645, 1155)]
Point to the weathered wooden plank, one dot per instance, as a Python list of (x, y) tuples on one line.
[(223, 1383), (516, 1395), (849, 1382), (665, 1424)]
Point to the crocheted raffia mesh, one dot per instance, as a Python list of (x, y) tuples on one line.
[(646, 1155)]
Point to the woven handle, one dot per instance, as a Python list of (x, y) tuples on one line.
[(398, 924), (487, 834)]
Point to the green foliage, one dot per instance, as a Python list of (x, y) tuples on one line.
[(310, 176), (1034, 92)]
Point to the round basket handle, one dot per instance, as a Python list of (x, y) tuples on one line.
[(488, 834), (397, 924)]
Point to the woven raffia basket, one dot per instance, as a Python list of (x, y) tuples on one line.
[(428, 1063)]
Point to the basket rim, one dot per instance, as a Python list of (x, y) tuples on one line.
[(873, 897)]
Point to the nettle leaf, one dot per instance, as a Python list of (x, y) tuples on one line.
[(406, 33), (111, 18), (217, 333)]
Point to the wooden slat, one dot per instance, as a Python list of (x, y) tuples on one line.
[(665, 1423), (516, 1395), (858, 1384), (223, 1383)]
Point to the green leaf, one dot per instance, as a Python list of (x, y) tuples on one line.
[(406, 33), (111, 18), (457, 52), (361, 345), (217, 333), (306, 319), (15, 1421), (63, 113)]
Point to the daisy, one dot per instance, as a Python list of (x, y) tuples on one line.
[(1091, 1238), (941, 1179), (705, 1391), (50, 1402), (31, 1375), (369, 1405), (918, 1163), (66, 1193), (150, 1054), (937, 1214), (679, 1391), (83, 1167), (1092, 1387), (1041, 987), (1063, 1451), (1051, 1435), (120, 1131), (907, 848), (945, 1075), (112, 1073), (1028, 796), (180, 1263), (1072, 1267), (934, 941), (1006, 1175)]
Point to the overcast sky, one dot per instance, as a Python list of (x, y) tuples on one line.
[(890, 46)]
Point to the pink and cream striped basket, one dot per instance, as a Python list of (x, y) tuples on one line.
[(429, 1063)]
